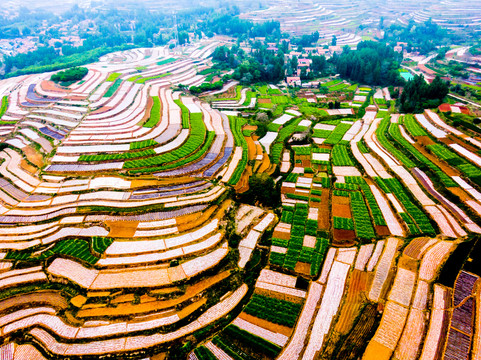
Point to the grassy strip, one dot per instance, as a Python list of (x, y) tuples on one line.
[(236, 125), (343, 223), (191, 145), (255, 342), (112, 77), (364, 229), (276, 311), (4, 107), (195, 156), (143, 80), (154, 113), (285, 133), (142, 144), (166, 61), (340, 156), (117, 156), (76, 248), (64, 62), (113, 88), (185, 114), (337, 134), (407, 146), (388, 145), (238, 95)]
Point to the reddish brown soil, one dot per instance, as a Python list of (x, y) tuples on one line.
[(382, 230), (27, 167), (251, 148), (122, 229), (284, 330), (413, 249), (463, 195), (265, 101), (278, 295), (250, 127), (425, 140), (50, 298), (448, 170), (33, 156), (340, 200), (154, 306), (355, 297), (48, 85), (324, 213), (464, 144), (281, 235), (303, 268), (344, 237), (341, 211)]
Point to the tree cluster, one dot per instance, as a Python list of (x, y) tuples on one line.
[(424, 38), (372, 63), (419, 95), (228, 24), (262, 190), (206, 87), (261, 65), (70, 75)]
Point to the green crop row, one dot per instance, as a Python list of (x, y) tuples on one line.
[(375, 210), (276, 311), (252, 341), (418, 216), (389, 146), (185, 113), (407, 146), (142, 80), (302, 150), (236, 125), (154, 113), (346, 186), (332, 83), (469, 170), (166, 61), (117, 156), (229, 348), (320, 133), (77, 248), (286, 132), (112, 77), (113, 88), (341, 156), (292, 177), (337, 134), (361, 216), (338, 87), (4, 107), (187, 160), (413, 126), (343, 223), (142, 144), (192, 144), (340, 193), (202, 353)]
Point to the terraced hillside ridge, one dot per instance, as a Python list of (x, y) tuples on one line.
[(132, 225)]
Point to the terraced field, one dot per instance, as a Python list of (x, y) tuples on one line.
[(122, 235)]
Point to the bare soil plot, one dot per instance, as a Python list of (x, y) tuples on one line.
[(353, 301), (33, 156), (122, 229), (126, 309), (284, 330)]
